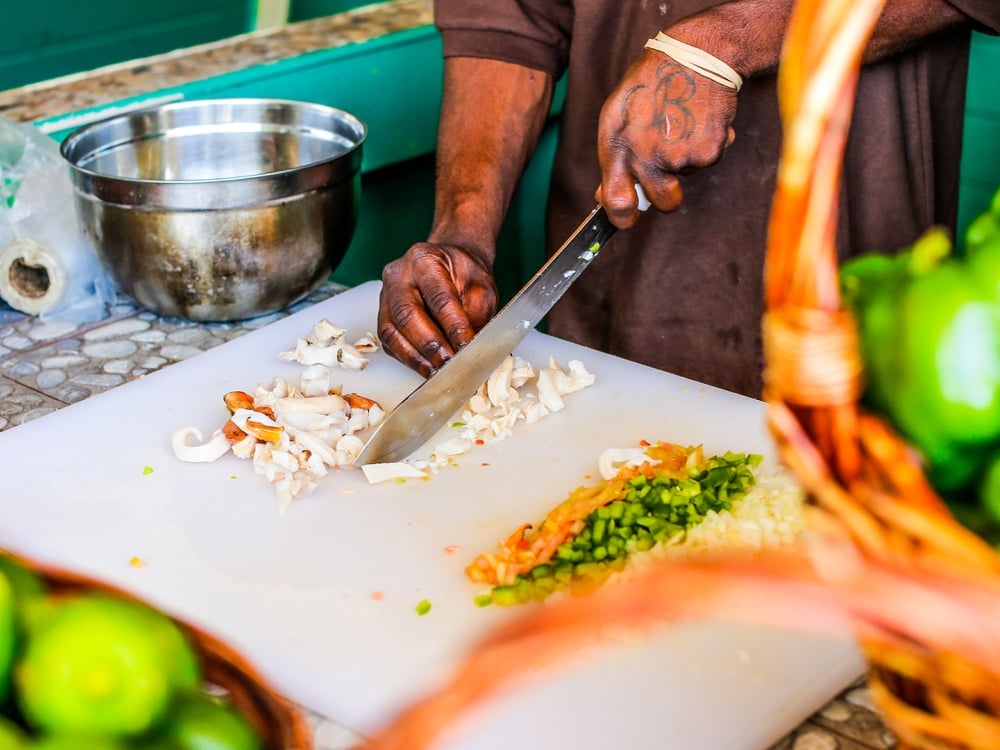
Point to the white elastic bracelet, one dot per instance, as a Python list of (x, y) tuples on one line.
[(696, 59)]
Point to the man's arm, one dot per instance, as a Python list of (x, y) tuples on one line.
[(442, 291), (491, 118), (748, 33), (664, 119)]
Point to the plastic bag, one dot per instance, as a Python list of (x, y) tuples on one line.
[(48, 267)]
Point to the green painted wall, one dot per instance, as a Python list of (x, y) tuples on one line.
[(43, 40), (303, 10), (980, 171)]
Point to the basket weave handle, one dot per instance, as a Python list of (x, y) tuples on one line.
[(813, 364)]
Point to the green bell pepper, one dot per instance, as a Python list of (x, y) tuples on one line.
[(985, 228), (929, 326)]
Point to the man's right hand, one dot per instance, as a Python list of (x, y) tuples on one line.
[(434, 299)]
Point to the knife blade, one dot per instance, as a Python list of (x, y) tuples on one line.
[(433, 402)]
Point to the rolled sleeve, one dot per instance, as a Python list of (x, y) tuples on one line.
[(532, 33), (985, 13)]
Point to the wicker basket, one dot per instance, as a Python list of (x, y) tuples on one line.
[(921, 592), (862, 478), (277, 721)]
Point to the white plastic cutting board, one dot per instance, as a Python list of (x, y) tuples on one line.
[(293, 591)]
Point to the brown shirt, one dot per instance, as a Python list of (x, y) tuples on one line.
[(683, 291)]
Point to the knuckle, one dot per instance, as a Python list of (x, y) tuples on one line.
[(439, 301)]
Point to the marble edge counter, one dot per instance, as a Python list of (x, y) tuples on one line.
[(141, 76)]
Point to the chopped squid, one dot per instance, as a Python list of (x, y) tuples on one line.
[(492, 413), (215, 447), (614, 460), (294, 435), (325, 345), (498, 405), (388, 472)]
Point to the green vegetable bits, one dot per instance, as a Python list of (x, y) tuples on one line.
[(653, 511), (929, 327)]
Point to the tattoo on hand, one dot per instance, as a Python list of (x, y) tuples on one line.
[(669, 111)]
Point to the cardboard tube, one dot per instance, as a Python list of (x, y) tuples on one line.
[(33, 278)]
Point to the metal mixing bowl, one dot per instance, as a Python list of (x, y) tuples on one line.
[(219, 209)]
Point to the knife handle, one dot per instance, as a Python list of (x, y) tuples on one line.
[(641, 195)]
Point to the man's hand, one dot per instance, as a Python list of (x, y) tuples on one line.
[(433, 301), (661, 121)]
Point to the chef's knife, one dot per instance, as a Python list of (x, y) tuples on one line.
[(438, 398)]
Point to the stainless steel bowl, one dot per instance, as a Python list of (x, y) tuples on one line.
[(219, 209)]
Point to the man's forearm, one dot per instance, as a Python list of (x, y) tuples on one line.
[(748, 34), (492, 115)]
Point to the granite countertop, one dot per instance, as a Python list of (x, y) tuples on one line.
[(47, 365), (113, 83)]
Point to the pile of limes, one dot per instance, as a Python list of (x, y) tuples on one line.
[(94, 671)]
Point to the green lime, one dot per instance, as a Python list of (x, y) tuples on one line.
[(8, 633), (12, 737), (202, 722), (25, 582), (97, 664), (28, 587), (71, 742), (989, 489)]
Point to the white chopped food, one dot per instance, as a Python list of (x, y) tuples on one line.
[(216, 446), (377, 473), (611, 461), (244, 448), (303, 404), (449, 449), (315, 380), (325, 346), (315, 422), (376, 415), (534, 410), (498, 387), (505, 398), (579, 377), (295, 435), (770, 514), (367, 343), (548, 391), (318, 448), (351, 358), (242, 417), (350, 447), (325, 332), (521, 371)]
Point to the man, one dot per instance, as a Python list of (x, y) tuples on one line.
[(681, 290)]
